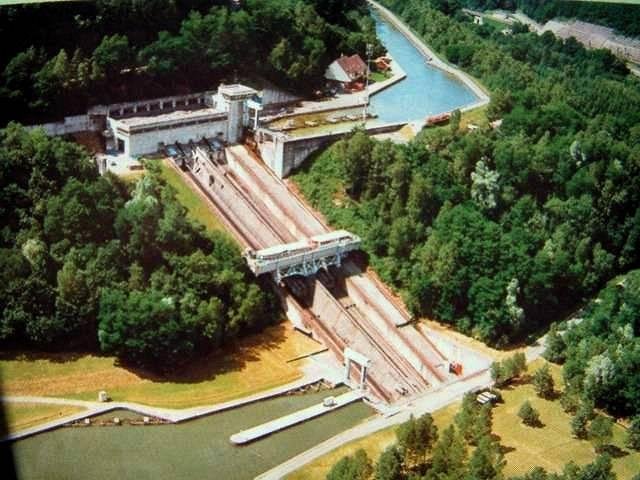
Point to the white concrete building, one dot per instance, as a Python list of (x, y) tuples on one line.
[(222, 115)]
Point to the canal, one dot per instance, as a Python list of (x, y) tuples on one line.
[(427, 90), (191, 450)]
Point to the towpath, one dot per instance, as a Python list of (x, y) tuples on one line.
[(170, 415)]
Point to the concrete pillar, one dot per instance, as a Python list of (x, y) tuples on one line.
[(148, 107), (347, 367), (234, 120), (363, 374), (173, 103), (161, 105), (121, 111), (135, 109)]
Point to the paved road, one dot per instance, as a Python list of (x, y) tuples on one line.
[(429, 403)]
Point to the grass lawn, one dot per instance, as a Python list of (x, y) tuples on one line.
[(550, 446), (20, 416), (379, 76), (253, 364), (494, 22), (192, 201), (372, 444)]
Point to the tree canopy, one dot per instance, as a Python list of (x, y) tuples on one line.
[(87, 263), (499, 231)]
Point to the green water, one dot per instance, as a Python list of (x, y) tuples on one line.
[(199, 449)]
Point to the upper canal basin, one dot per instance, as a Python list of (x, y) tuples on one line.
[(425, 91), (195, 449)]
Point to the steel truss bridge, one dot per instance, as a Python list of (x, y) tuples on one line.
[(305, 257)]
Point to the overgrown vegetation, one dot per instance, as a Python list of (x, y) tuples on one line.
[(499, 232), (113, 50), (601, 352), (86, 263)]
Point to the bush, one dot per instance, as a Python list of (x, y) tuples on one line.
[(529, 415), (600, 432), (633, 434), (543, 382)]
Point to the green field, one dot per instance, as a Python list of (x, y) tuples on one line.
[(192, 201), (20, 416), (251, 365), (551, 446)]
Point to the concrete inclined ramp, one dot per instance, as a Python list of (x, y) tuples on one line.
[(354, 311)]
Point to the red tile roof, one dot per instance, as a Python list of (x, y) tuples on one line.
[(353, 65)]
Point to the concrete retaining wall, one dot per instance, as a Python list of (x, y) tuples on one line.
[(73, 124), (283, 154)]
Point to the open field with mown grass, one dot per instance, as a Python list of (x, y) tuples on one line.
[(550, 446), (196, 206), (251, 365), (20, 416)]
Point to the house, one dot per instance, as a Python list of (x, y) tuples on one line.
[(349, 72)]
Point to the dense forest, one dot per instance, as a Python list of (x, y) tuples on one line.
[(116, 50), (89, 262), (499, 232), (623, 17)]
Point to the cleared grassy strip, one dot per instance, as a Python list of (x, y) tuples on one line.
[(253, 364), (20, 416), (550, 446), (192, 201)]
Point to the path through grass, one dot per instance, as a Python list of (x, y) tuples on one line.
[(253, 364), (551, 446), (20, 416)]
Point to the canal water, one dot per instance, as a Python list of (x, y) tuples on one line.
[(426, 91), (196, 449)]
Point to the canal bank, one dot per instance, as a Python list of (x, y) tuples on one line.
[(194, 449), (431, 57)]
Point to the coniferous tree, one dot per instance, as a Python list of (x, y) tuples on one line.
[(528, 414), (389, 466), (633, 434), (449, 457), (543, 382)]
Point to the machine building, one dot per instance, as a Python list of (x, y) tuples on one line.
[(149, 127)]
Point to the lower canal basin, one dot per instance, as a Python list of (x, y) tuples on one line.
[(195, 449)]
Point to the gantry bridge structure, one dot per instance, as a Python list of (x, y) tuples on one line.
[(305, 257)]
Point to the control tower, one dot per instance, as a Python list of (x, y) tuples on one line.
[(233, 99)]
